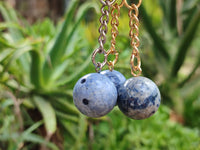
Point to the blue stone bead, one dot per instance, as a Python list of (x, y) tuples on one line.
[(94, 95), (139, 98), (116, 77)]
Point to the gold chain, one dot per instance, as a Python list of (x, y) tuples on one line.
[(135, 60), (103, 29), (114, 32), (124, 2), (135, 42)]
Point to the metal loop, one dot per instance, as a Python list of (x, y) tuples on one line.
[(117, 8), (107, 2), (111, 66), (135, 9), (101, 43), (124, 2), (135, 68), (112, 63), (135, 60), (134, 31), (98, 65), (103, 20), (103, 29), (114, 33), (115, 21), (102, 40), (135, 42), (137, 72), (133, 65), (133, 20), (105, 12)]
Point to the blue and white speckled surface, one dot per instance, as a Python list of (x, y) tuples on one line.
[(139, 98), (115, 76), (95, 95)]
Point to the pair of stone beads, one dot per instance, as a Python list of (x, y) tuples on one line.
[(96, 94)]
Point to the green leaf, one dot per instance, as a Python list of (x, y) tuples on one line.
[(58, 48), (58, 72), (166, 10), (81, 13), (35, 71), (67, 117), (70, 108), (69, 128), (76, 73), (185, 43), (38, 139), (191, 88), (10, 15), (188, 5), (197, 65), (5, 54), (5, 44), (18, 52), (81, 132), (32, 128), (158, 42), (5, 25), (48, 114)]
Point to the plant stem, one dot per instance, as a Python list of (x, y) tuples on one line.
[(47, 139)]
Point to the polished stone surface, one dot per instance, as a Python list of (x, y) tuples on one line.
[(95, 95), (139, 98), (115, 76)]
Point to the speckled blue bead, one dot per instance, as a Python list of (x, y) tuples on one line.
[(116, 77), (139, 98), (95, 95)]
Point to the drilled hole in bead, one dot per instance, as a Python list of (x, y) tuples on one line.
[(85, 102), (83, 81)]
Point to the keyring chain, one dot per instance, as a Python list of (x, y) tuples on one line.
[(103, 29), (109, 2), (114, 33), (96, 94), (135, 60), (124, 2), (135, 42)]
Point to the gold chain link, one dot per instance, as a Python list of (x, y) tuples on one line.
[(135, 60), (115, 13), (135, 42), (124, 2), (103, 29)]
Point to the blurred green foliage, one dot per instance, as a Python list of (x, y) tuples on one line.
[(40, 63)]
